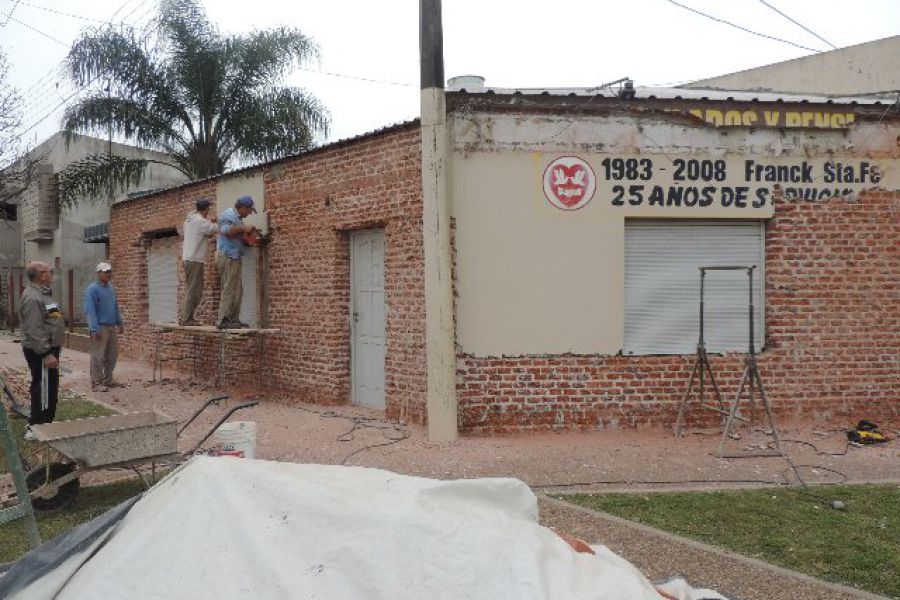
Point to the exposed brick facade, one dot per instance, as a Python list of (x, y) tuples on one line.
[(313, 202), (832, 344), (832, 305)]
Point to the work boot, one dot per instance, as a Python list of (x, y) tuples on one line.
[(190, 323)]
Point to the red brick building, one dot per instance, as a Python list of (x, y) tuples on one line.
[(579, 224)]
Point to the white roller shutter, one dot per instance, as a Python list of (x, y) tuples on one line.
[(162, 276), (250, 298), (662, 285)]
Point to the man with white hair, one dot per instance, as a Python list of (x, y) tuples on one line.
[(105, 323), (198, 228), (43, 327)]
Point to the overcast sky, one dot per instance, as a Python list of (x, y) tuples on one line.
[(368, 74)]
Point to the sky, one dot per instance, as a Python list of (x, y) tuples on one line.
[(368, 72)]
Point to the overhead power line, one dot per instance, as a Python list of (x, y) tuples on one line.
[(45, 99), (730, 24), (798, 24), (9, 14), (60, 12), (9, 18)]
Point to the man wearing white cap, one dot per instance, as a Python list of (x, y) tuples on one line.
[(105, 323)]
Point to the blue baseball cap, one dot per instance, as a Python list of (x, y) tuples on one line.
[(245, 201)]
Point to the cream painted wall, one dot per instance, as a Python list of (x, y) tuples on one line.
[(862, 69), (534, 279), (231, 187)]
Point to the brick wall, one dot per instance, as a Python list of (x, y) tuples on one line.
[(313, 203), (832, 346)]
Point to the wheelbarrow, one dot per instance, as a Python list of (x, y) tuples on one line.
[(127, 440)]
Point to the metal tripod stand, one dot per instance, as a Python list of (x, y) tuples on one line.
[(750, 378), (701, 363)]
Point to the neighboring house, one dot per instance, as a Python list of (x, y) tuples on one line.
[(579, 221), (76, 240), (869, 68)]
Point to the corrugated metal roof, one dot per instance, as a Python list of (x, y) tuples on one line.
[(668, 93)]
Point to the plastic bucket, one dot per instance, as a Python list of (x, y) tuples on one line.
[(237, 439)]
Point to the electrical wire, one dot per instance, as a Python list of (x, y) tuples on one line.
[(34, 29), (798, 24), (736, 26), (9, 14), (393, 432), (61, 13)]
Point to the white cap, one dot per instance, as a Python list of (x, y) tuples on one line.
[(104, 266)]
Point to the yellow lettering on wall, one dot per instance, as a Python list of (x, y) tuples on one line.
[(715, 117), (733, 118), (773, 118)]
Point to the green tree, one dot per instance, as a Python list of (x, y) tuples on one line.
[(183, 88)]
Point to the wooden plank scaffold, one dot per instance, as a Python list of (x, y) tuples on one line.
[(251, 341)]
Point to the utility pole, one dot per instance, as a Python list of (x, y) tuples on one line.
[(440, 331)]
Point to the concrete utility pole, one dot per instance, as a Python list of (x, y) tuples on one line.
[(440, 333)]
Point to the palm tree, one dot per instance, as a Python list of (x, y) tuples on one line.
[(186, 90)]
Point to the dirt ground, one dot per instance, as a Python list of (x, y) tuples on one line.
[(620, 460)]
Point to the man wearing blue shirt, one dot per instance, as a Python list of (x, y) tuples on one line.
[(230, 247), (105, 323)]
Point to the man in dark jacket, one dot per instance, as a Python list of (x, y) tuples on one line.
[(42, 335)]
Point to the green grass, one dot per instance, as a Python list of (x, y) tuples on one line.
[(91, 502), (795, 528)]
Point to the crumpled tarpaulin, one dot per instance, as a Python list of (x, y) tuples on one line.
[(223, 528)]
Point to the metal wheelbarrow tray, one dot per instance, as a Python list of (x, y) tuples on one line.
[(125, 440), (111, 440)]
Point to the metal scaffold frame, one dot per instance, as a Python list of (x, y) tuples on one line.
[(170, 336)]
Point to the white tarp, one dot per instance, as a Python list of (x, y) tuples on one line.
[(227, 528)]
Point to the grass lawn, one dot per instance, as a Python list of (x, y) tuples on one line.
[(792, 527), (91, 502)]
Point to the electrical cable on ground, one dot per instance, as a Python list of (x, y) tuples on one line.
[(392, 432)]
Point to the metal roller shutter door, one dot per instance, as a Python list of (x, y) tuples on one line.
[(162, 279), (662, 285)]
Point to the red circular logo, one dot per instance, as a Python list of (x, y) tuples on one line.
[(569, 183)]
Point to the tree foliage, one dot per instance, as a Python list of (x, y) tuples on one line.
[(203, 98), (17, 167)]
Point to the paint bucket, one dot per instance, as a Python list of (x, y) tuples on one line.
[(237, 439)]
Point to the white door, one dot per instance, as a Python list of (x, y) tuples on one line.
[(367, 317), (162, 279)]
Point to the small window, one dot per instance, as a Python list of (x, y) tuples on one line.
[(662, 285), (8, 211)]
